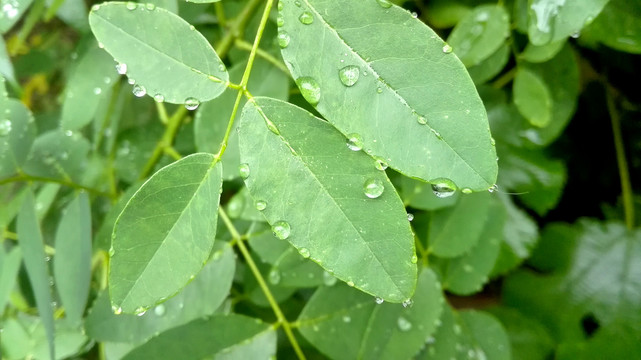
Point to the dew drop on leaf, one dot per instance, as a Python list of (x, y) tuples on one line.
[(349, 75), (329, 279), (493, 188), (121, 68), (421, 120), (112, 251), (280, 6), (280, 21), (466, 191), (414, 259), (97, 91), (283, 39), (310, 89), (297, 3), (306, 18), (260, 205), (273, 277), (159, 310), (281, 229), (443, 188), (414, 14), (150, 6), (379, 300), (139, 90), (386, 4), (116, 309), (131, 5), (159, 98), (347, 318), (447, 48), (407, 303), (304, 252), (373, 188), (191, 103), (403, 324), (410, 216), (5, 127), (350, 283), (380, 164), (355, 142), (243, 169)]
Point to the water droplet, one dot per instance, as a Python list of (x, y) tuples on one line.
[(386, 4), (131, 81), (273, 277), (141, 313), (492, 141), (304, 252), (329, 279), (306, 18), (191, 103), (350, 283), (280, 6), (139, 90), (112, 251), (121, 68), (379, 90), (5, 127), (447, 48), (131, 5), (310, 89), (283, 39), (260, 205), (466, 191), (355, 142), (408, 303), (576, 34), (437, 134), (95, 8), (410, 216), (97, 91), (280, 21), (281, 229), (116, 309), (380, 164), (221, 67), (373, 188), (243, 169), (443, 188), (379, 300), (493, 188), (150, 6), (403, 324), (347, 319), (159, 310), (297, 3), (414, 14), (101, 45), (159, 98), (349, 75), (421, 120), (68, 133)]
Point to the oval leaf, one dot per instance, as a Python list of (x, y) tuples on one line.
[(312, 185), (429, 125), (162, 53), (532, 98), (17, 133), (165, 233), (553, 20)]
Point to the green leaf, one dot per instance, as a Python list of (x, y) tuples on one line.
[(9, 265), (618, 26), (11, 12), (17, 133), (532, 98), (31, 243), (543, 53), (242, 205), (212, 117), (480, 34), (11, 199), (361, 85), (221, 336), (529, 339), (466, 274), (315, 195), (346, 324), (72, 263), (91, 80), (555, 248), (199, 298), (490, 67), (455, 230), (554, 20), (162, 53), (6, 67), (165, 233), (58, 154)]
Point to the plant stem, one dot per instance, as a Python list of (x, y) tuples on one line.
[(220, 14), (173, 124), (244, 45), (162, 112), (239, 23), (504, 79), (261, 282), (624, 173)]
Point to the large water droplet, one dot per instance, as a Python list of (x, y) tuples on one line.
[(5, 127), (355, 142), (447, 48), (306, 18), (243, 169), (121, 68), (274, 277), (260, 205), (349, 75), (386, 4), (379, 300), (373, 188), (191, 103), (403, 324), (131, 5), (283, 39), (139, 90), (304, 252), (310, 89), (443, 188), (281, 230)]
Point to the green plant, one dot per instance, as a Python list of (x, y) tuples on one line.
[(226, 210)]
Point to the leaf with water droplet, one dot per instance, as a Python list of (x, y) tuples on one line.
[(20, 129), (160, 42), (455, 230), (303, 162), (387, 120), (157, 233), (554, 20), (480, 33), (373, 331)]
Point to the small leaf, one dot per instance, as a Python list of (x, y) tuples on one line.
[(161, 52), (17, 133), (9, 265), (542, 53), (532, 98), (553, 20), (72, 263), (490, 67), (324, 206), (165, 233), (429, 125), (32, 245), (480, 34), (236, 336), (346, 324)]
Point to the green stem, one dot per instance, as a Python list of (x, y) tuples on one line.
[(261, 282), (173, 124), (26, 177), (220, 14), (624, 173), (244, 45), (239, 23), (35, 13), (504, 79), (162, 112)]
